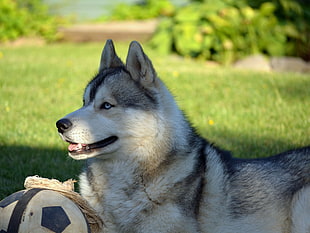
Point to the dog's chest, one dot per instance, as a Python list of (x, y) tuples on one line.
[(125, 192), (119, 195)]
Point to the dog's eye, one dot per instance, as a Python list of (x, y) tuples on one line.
[(106, 106)]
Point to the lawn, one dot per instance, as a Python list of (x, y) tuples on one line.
[(252, 114)]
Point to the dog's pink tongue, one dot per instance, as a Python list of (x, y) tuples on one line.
[(75, 146)]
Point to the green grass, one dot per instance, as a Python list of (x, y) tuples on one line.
[(250, 113)]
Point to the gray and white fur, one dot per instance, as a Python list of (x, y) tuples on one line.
[(149, 171)]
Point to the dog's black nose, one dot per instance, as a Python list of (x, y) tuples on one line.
[(63, 125)]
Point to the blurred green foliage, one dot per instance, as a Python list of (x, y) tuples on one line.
[(145, 9), (226, 30), (26, 18)]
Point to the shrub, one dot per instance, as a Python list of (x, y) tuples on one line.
[(26, 18), (145, 9), (297, 13), (226, 30)]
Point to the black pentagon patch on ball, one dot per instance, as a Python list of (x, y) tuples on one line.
[(10, 199), (54, 218)]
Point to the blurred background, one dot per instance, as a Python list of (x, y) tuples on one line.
[(93, 9), (218, 30)]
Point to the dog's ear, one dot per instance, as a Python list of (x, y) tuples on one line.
[(109, 59), (139, 65)]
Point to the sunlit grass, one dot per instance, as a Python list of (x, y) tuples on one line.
[(250, 113)]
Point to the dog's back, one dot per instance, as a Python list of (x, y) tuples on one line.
[(259, 195)]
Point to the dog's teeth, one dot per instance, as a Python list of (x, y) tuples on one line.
[(76, 146), (85, 146), (73, 147)]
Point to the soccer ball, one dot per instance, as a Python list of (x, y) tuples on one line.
[(41, 210)]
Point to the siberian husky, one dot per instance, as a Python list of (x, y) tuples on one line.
[(147, 170)]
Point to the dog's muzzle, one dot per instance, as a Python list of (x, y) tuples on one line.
[(63, 125)]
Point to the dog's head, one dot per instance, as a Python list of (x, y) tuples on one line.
[(121, 109)]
